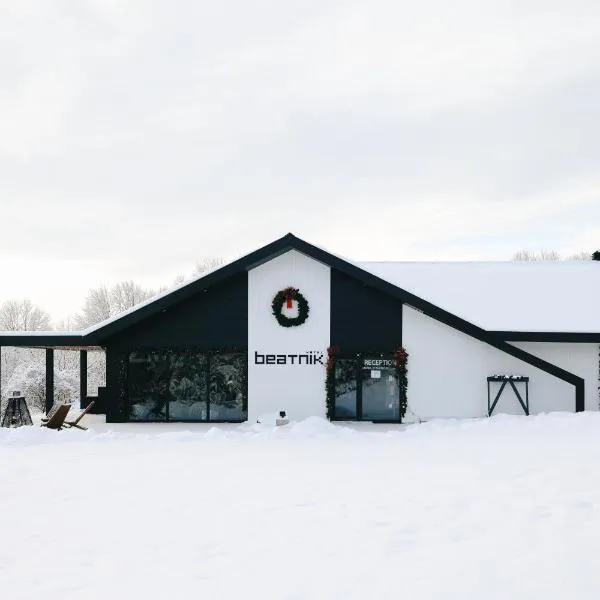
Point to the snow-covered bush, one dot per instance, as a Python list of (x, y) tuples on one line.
[(30, 380)]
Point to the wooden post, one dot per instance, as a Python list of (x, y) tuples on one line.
[(49, 379), (83, 373)]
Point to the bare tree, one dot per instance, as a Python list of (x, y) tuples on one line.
[(178, 280), (548, 255), (530, 256), (127, 294), (23, 315), (66, 324), (102, 303), (524, 256), (208, 263), (95, 309), (581, 256)]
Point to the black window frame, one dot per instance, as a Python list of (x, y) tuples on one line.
[(359, 358), (210, 354)]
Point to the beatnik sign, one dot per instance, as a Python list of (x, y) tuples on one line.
[(312, 357)]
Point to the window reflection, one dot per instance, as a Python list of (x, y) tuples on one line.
[(148, 381), (367, 388), (187, 387), (380, 391), (227, 387), (177, 386), (345, 388)]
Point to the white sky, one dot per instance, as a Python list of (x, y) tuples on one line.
[(137, 137)]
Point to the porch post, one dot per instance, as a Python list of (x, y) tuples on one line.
[(83, 373), (49, 379)]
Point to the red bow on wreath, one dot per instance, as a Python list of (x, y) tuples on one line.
[(290, 294)]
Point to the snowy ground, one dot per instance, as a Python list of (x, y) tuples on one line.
[(502, 508)]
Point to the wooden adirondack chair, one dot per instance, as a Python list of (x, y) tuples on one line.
[(75, 422), (51, 412), (57, 420)]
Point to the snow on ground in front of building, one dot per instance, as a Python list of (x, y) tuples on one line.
[(502, 508)]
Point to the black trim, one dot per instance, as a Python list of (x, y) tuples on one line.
[(42, 340), (83, 373), (547, 336), (49, 379), (189, 422)]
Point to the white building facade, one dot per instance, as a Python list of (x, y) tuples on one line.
[(293, 328)]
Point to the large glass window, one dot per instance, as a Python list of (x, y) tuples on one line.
[(228, 387), (187, 386), (148, 382), (345, 388)]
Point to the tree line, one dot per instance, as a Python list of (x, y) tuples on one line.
[(553, 255), (101, 303)]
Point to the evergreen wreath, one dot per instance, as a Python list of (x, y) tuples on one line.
[(286, 296)]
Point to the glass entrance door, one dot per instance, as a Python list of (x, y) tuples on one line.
[(366, 389), (380, 391)]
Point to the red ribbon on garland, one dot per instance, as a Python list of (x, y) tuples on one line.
[(289, 296)]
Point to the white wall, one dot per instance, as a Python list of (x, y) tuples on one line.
[(581, 359), (447, 372), (297, 389)]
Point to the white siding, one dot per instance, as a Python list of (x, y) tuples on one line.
[(447, 372), (581, 359), (297, 389)]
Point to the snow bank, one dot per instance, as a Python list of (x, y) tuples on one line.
[(507, 507), (310, 427), (557, 425)]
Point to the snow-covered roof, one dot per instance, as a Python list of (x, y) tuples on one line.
[(546, 297), (551, 296)]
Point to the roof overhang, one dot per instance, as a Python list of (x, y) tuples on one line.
[(548, 336), (51, 339)]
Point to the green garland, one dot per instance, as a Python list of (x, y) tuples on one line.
[(401, 360), (290, 293), (330, 380)]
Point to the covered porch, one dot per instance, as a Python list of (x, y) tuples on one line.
[(50, 343)]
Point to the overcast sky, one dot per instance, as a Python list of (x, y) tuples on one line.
[(137, 137)]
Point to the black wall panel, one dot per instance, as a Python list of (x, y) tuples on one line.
[(211, 320), (216, 318), (363, 318)]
